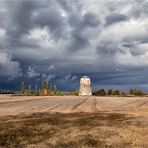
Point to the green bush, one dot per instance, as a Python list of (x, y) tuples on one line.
[(109, 92), (76, 92), (100, 92), (136, 92), (116, 92)]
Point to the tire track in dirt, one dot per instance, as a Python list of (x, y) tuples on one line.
[(78, 104), (94, 105), (41, 106), (143, 103), (50, 105), (21, 101), (130, 103), (28, 107), (59, 104), (44, 106)]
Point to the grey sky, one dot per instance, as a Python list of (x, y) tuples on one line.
[(61, 40)]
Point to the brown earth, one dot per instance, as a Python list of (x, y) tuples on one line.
[(14, 105), (73, 121)]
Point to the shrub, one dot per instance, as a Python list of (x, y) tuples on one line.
[(100, 92), (22, 87), (131, 92), (76, 92), (109, 92), (116, 92), (138, 93), (123, 94)]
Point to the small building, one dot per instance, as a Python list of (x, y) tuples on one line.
[(85, 86)]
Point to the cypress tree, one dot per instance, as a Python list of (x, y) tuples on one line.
[(50, 88), (55, 89), (29, 89), (36, 88), (22, 87), (43, 86)]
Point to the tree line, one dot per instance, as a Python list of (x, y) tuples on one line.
[(46, 89), (6, 92), (116, 92)]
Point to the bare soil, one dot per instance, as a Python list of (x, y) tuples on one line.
[(73, 121), (15, 105)]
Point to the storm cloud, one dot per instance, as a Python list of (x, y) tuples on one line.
[(61, 40)]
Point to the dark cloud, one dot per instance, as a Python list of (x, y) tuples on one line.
[(79, 25), (78, 38), (19, 16), (91, 19), (115, 18), (51, 18), (78, 42), (108, 48)]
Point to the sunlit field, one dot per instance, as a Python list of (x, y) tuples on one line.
[(72, 121)]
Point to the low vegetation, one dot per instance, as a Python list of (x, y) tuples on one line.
[(51, 90), (73, 130), (47, 89), (116, 92)]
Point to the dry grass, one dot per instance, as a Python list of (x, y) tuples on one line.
[(102, 129)]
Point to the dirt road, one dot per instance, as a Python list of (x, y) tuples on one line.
[(17, 105)]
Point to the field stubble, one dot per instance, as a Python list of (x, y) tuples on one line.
[(73, 122)]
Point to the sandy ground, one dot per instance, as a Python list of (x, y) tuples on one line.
[(15, 105)]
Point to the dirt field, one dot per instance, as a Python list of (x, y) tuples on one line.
[(68, 104), (73, 122)]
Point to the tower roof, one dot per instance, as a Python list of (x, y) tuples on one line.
[(85, 77)]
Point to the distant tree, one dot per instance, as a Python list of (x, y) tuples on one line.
[(55, 89), (116, 92), (40, 91), (50, 89), (29, 89), (58, 93), (36, 90), (123, 94), (22, 87), (109, 92), (100, 92), (103, 92), (131, 92), (138, 92), (44, 86), (76, 92)]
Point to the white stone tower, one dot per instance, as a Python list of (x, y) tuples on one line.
[(85, 86)]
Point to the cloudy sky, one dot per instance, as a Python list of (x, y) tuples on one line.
[(62, 40)]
